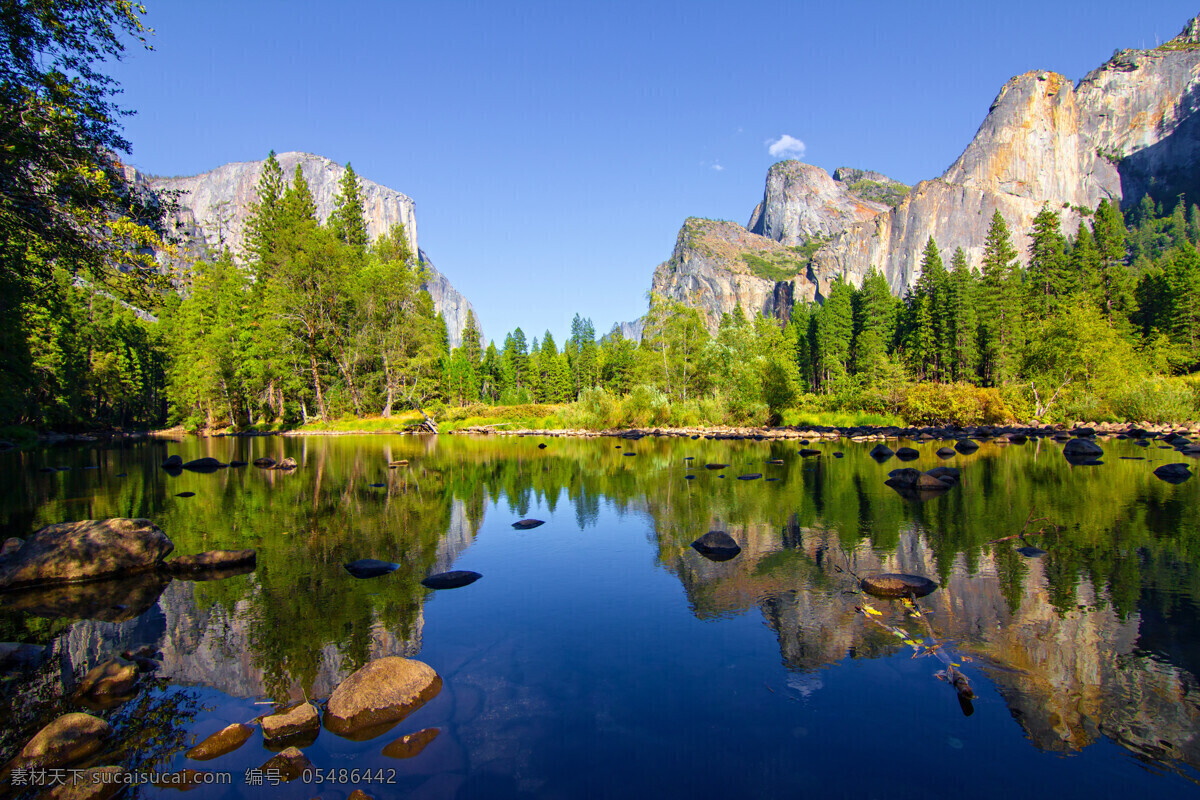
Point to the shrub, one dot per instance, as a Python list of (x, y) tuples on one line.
[(954, 404), (646, 406), (1156, 400)]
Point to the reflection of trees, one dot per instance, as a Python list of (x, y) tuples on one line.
[(1098, 625)]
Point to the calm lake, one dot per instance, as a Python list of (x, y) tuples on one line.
[(601, 656)]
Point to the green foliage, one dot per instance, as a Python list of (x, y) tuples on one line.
[(880, 192), (954, 404), (775, 266)]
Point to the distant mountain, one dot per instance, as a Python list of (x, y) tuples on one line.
[(1127, 129), (214, 207)]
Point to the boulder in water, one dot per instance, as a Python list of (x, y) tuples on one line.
[(451, 580), (265, 462), (81, 551), (68, 739), (881, 452), (173, 462), (526, 524), (717, 546), (226, 740), (299, 721), (204, 465), (892, 584), (1173, 473), (291, 764), (370, 568), (410, 745), (382, 692)]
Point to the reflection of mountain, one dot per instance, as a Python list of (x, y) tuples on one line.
[(1069, 677), (214, 644), (215, 647)]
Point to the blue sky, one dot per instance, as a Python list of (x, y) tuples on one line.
[(555, 148)]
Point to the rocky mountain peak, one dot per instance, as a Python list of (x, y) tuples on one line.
[(801, 201)]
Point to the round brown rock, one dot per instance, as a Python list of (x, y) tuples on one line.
[(70, 738), (410, 745), (897, 585), (224, 741), (96, 783), (386, 690)]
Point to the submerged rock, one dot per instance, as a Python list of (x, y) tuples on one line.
[(715, 466), (173, 462), (286, 464), (265, 462), (897, 585), (881, 452), (946, 452), (93, 783), (1029, 551), (114, 678), (186, 494), (236, 463), (966, 446), (370, 568), (907, 454), (301, 720), (1173, 473), (809, 452), (411, 744), (82, 551), (526, 524), (68, 739), (717, 546), (384, 691), (451, 580), (224, 741), (204, 465), (750, 477), (291, 764)]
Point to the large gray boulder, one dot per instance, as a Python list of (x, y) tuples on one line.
[(384, 691), (68, 552)]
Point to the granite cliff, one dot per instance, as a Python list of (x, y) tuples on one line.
[(1128, 128), (213, 207)]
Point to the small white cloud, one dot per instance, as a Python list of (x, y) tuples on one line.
[(718, 167), (785, 146)]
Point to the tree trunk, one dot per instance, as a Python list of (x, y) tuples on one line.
[(316, 376)]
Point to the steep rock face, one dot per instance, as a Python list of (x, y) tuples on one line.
[(213, 208), (447, 300), (801, 201), (1128, 127), (718, 266), (215, 205)]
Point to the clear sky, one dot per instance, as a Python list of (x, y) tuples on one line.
[(555, 148)]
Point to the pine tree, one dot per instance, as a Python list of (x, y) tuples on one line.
[(964, 321), (998, 311), (348, 218), (1050, 277), (582, 353), (874, 324), (298, 205), (1113, 288), (265, 217), (835, 330)]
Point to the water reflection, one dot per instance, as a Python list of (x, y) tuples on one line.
[(1094, 639)]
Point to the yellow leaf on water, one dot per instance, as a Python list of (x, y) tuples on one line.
[(867, 609)]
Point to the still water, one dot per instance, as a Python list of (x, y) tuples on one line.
[(601, 656)]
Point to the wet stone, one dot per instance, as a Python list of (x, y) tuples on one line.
[(224, 741)]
